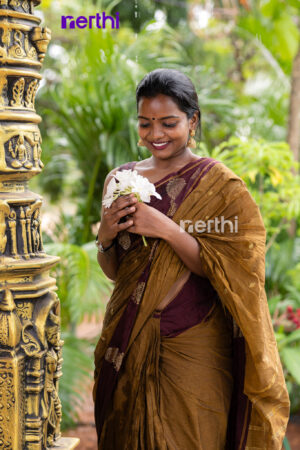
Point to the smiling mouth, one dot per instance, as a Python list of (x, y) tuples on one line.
[(160, 145)]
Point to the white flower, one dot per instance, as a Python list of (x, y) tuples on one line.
[(107, 202), (112, 188), (127, 181), (126, 177), (142, 186)]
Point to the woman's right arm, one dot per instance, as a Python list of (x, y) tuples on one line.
[(109, 228)]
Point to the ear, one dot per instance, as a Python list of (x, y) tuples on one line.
[(193, 122)]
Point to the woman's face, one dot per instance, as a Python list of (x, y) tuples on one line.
[(163, 127)]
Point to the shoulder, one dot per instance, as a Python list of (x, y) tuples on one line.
[(143, 164), (234, 188), (225, 172), (219, 178)]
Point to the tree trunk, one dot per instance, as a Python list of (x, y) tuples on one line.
[(293, 137)]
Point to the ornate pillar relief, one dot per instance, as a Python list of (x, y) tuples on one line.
[(30, 344)]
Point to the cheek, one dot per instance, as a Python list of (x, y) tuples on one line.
[(181, 132), (142, 131)]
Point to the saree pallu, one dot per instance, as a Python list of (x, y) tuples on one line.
[(205, 372)]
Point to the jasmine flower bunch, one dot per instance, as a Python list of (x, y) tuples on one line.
[(126, 182)]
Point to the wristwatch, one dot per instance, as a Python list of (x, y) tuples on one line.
[(100, 247)]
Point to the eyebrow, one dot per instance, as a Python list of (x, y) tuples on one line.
[(161, 118)]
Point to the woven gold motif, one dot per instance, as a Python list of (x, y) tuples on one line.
[(172, 209), (137, 295), (174, 187), (115, 357), (124, 239), (196, 173)]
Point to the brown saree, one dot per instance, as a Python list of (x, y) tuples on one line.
[(203, 373)]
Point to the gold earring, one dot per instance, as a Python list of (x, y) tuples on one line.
[(140, 142), (191, 142)]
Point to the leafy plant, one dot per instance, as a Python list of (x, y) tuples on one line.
[(82, 289), (77, 370), (82, 286), (266, 167)]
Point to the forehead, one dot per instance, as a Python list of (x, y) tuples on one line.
[(158, 106)]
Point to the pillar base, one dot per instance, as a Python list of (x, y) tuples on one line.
[(65, 443)]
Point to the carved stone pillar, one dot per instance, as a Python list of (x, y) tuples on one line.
[(30, 344)]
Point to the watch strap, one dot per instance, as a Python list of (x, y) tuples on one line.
[(102, 249)]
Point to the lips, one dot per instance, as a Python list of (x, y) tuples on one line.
[(160, 145)]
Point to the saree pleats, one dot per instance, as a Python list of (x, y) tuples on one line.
[(165, 405), (218, 384), (134, 410), (196, 385)]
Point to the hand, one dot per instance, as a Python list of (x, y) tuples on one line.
[(148, 221), (110, 222)]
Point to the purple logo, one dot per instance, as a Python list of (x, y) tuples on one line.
[(98, 21)]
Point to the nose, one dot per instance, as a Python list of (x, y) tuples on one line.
[(156, 132)]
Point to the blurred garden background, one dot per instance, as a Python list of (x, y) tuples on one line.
[(244, 59)]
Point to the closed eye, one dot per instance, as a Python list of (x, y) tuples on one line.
[(170, 125)]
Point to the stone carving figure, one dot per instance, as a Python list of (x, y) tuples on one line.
[(35, 231), (51, 404), (21, 154)]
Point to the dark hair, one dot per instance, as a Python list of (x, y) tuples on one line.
[(176, 85)]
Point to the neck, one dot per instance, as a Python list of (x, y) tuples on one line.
[(172, 161)]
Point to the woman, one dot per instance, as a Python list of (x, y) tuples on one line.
[(187, 357)]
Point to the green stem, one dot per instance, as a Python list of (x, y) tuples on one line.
[(286, 444)]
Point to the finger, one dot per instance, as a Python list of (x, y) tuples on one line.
[(124, 212), (123, 201), (124, 225)]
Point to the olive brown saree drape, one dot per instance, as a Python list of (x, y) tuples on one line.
[(203, 373)]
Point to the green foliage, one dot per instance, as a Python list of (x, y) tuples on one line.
[(268, 23), (289, 350), (82, 287), (282, 284), (77, 369), (93, 118), (266, 168), (136, 13), (283, 270), (81, 283)]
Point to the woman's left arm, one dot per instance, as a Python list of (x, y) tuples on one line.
[(184, 245), (148, 221)]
